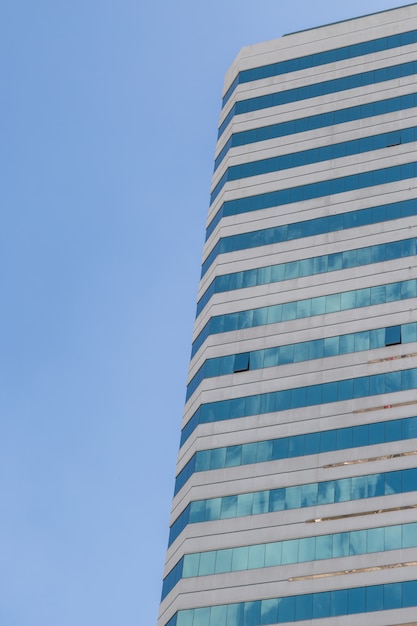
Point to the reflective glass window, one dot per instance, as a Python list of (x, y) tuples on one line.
[(356, 600), (218, 616), (223, 561), (303, 606), (207, 563), (286, 609), (321, 605), (269, 612), (273, 554), (293, 551), (240, 559), (256, 556), (392, 596), (202, 616), (310, 227), (392, 335)]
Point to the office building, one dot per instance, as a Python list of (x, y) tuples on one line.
[(296, 488)]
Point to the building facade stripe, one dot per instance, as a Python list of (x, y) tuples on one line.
[(300, 397), (345, 83), (310, 228), (310, 191), (315, 122), (291, 551), (321, 58), (309, 307), (314, 155), (310, 266), (295, 497)]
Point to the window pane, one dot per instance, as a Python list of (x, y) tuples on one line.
[(234, 614), (392, 335), (260, 502), (233, 456), (185, 618), (341, 545), (241, 363), (218, 616), (321, 606), (290, 552), (286, 609), (276, 500), (228, 507), (393, 538), (409, 535), (292, 497), (375, 598), (304, 606), (357, 540), (409, 593), (392, 596), (326, 492), (375, 540), (256, 556), (309, 494), (240, 558), (356, 600), (273, 553), (306, 549), (191, 565), (269, 612), (339, 602), (223, 561), (244, 504), (324, 547), (342, 490), (207, 563)]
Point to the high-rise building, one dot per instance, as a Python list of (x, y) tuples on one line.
[(296, 487)]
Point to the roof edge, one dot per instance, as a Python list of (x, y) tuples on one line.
[(349, 19)]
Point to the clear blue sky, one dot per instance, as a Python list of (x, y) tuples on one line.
[(108, 116)]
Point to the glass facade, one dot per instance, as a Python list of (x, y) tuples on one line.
[(308, 267), (290, 609), (310, 307), (322, 58), (303, 351), (292, 551), (297, 445), (310, 191), (313, 122), (295, 497), (310, 228), (300, 397), (315, 155), (319, 89)]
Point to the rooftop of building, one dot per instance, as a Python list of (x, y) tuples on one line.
[(350, 19)]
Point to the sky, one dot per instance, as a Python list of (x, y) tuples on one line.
[(108, 118)]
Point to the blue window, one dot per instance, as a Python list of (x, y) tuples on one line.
[(313, 122), (290, 609), (313, 155), (308, 228), (392, 335), (241, 362), (312, 190), (324, 88), (308, 267), (305, 308), (320, 58), (324, 393), (300, 496)]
